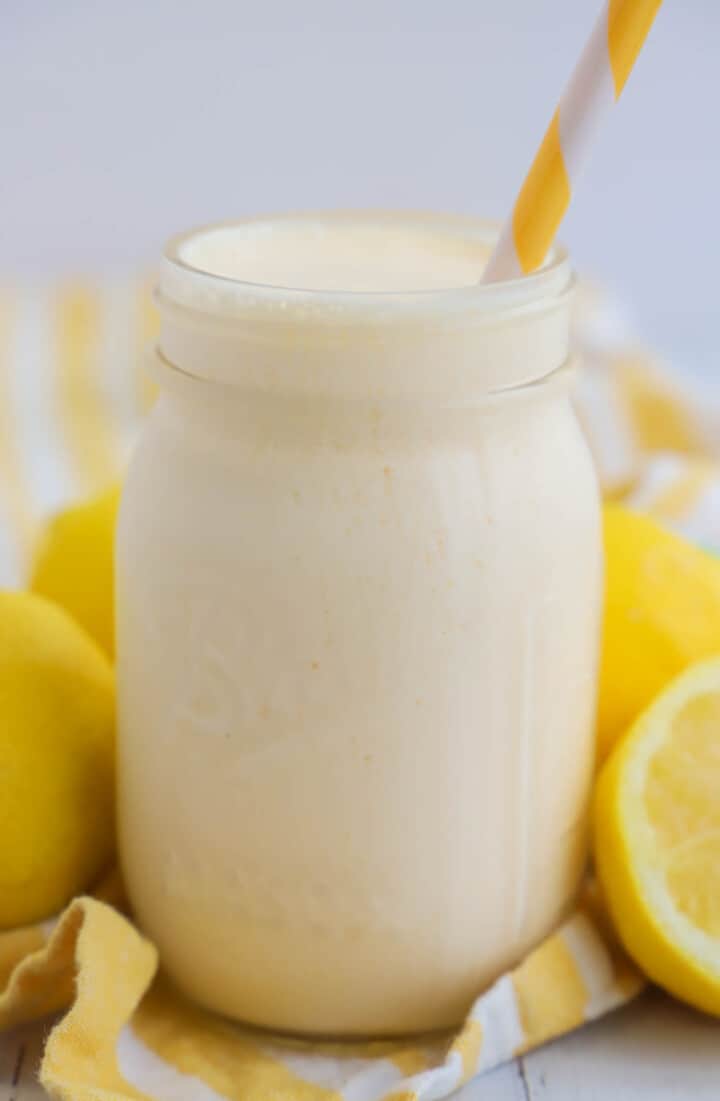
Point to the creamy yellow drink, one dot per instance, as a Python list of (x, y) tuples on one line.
[(359, 577)]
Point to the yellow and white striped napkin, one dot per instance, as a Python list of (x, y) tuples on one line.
[(72, 393), (128, 1037)]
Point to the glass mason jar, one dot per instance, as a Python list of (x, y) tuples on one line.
[(359, 584)]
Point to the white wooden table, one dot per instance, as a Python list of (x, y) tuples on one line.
[(654, 1050)]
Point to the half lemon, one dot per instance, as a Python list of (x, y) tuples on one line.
[(657, 837)]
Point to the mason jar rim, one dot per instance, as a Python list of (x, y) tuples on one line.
[(186, 285)]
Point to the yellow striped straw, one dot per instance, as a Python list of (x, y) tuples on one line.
[(596, 83)]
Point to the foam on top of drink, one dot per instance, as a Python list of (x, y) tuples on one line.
[(355, 254)]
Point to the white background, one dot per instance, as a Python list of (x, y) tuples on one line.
[(121, 122)]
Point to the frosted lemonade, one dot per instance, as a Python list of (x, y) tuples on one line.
[(358, 601)]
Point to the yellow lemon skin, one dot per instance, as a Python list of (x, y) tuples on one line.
[(74, 565), (662, 613), (57, 703), (656, 827)]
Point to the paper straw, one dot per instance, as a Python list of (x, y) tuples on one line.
[(596, 83)]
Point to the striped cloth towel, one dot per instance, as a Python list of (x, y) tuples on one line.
[(72, 392)]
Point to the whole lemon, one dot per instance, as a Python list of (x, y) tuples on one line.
[(662, 612), (56, 759), (74, 564)]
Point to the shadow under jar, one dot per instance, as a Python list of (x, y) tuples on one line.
[(358, 600)]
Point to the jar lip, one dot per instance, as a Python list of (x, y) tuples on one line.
[(186, 284)]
